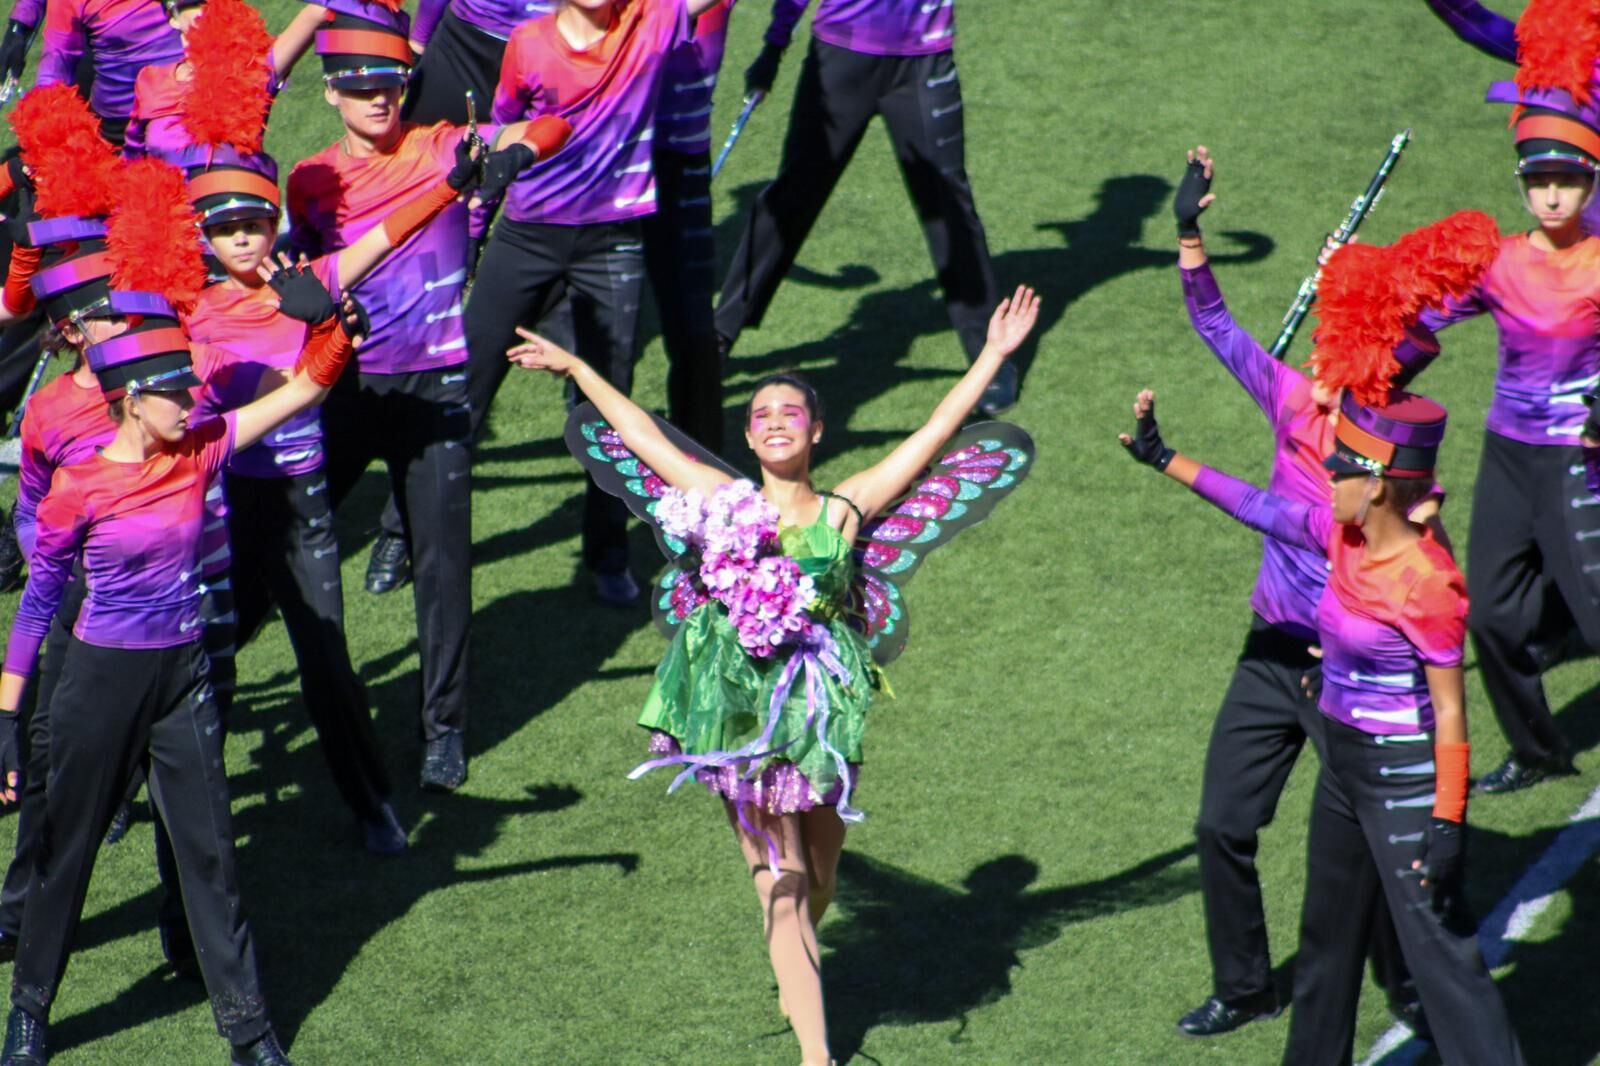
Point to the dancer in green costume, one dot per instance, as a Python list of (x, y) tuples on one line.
[(711, 697)]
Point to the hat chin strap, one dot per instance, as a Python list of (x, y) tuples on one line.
[(1366, 499)]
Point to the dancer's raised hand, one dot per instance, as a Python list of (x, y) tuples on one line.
[(1013, 320)]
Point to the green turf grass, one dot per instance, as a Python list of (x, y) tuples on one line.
[(1024, 890)]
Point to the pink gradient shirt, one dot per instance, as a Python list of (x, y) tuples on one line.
[(138, 528), (124, 36), (875, 27), (63, 424), (608, 93)]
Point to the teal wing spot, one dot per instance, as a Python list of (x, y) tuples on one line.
[(628, 467), (930, 531), (969, 491)]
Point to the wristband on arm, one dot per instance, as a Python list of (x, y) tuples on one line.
[(1451, 767), (19, 297), (410, 217), (327, 352)]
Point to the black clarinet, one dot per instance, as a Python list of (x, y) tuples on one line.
[(1363, 204)]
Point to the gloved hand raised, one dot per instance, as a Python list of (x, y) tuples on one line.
[(301, 294), (1146, 445), (1194, 192)]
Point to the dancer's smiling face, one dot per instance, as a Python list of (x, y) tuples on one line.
[(782, 427)]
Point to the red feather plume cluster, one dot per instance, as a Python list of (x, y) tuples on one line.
[(1368, 295), (227, 99), (75, 170), (153, 236), (1558, 43)]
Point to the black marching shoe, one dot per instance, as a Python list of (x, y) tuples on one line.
[(389, 566), (444, 763), (1514, 774), (121, 822), (26, 1043), (264, 1052), (1001, 393), (1214, 1017), (1409, 1012), (384, 835)]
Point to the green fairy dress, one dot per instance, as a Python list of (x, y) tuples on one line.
[(712, 699)]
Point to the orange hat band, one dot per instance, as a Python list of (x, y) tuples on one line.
[(1363, 443), (1556, 128), (364, 43), (234, 183)]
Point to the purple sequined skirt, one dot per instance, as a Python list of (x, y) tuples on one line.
[(780, 788)]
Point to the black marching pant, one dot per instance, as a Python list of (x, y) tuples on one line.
[(680, 255), (459, 57), (1260, 730), (116, 710), (919, 98), (603, 268), (285, 552), (418, 424), (1373, 805), (1533, 579)]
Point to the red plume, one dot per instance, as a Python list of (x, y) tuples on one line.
[(227, 100), (1368, 295), (1558, 42), (154, 236), (75, 170)]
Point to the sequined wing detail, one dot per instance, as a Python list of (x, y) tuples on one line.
[(624, 475), (979, 468)]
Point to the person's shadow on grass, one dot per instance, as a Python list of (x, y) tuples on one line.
[(859, 360), (905, 951), (313, 910)]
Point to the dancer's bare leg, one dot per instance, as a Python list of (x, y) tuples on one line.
[(791, 938), (822, 830)]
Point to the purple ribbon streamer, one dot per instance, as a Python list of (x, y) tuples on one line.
[(818, 654)]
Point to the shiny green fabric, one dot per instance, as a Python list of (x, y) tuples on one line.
[(711, 696)]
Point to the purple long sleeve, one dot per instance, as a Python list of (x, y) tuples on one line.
[(60, 536), (429, 12), (1488, 32), (28, 12), (1302, 525), (1263, 377)]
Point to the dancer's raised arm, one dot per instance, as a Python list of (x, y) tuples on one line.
[(637, 429), (881, 484)]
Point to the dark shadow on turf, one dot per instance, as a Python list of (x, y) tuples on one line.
[(860, 359), (314, 909), (905, 951)]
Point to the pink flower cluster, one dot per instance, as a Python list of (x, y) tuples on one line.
[(735, 532)]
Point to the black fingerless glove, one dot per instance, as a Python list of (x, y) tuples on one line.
[(17, 221), (1186, 204), (14, 49), (302, 295), (1311, 683), (1444, 858), (1147, 446), (353, 317), (502, 168), (759, 76), (10, 749), (467, 171)]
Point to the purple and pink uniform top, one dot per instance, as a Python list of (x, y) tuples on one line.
[(496, 18), (155, 126), (1546, 306), (683, 113), (258, 340), (138, 529), (415, 296), (28, 12), (608, 93), (1290, 582), (875, 27), (1495, 35), (1380, 622), (64, 423), (124, 36)]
